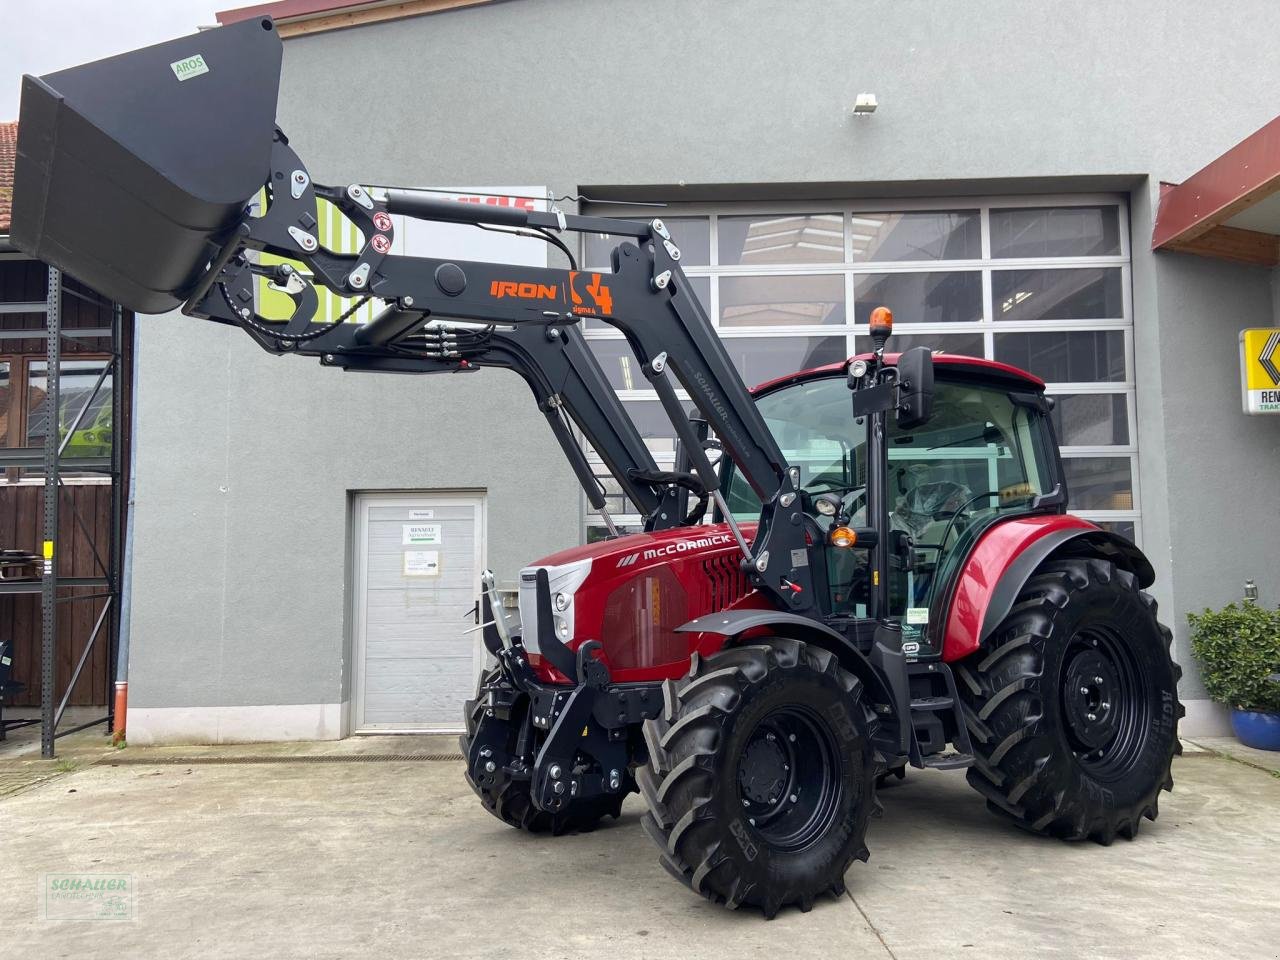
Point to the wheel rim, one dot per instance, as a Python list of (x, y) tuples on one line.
[(789, 782), (1104, 704)]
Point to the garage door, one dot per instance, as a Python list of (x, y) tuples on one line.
[(417, 572)]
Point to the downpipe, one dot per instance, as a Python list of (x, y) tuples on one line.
[(119, 715)]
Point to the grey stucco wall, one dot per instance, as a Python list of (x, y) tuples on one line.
[(649, 93), (244, 466), (1221, 464)]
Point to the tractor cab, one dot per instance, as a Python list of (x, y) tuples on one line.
[(985, 454)]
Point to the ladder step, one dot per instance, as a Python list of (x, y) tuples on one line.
[(932, 703), (949, 761)]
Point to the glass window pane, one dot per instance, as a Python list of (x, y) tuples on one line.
[(955, 235), (963, 344), (1077, 356), (1099, 483), (763, 358), (1056, 232), (92, 436), (1123, 527), (781, 301), (691, 234), (619, 364), (920, 297), (1087, 294), (651, 420), (1090, 419), (597, 532), (781, 238)]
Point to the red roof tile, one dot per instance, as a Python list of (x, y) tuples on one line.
[(8, 147)]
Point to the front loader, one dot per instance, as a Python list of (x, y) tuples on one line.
[(887, 576)]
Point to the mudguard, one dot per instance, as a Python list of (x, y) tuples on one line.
[(1006, 557), (732, 624)]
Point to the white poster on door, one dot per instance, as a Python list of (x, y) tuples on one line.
[(422, 563), (419, 533)]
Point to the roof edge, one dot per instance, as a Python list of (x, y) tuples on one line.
[(303, 17), (1238, 179)]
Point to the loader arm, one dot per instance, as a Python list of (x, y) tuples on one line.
[(448, 315)]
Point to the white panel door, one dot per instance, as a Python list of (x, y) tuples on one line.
[(417, 573)]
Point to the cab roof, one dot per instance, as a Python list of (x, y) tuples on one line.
[(992, 371)]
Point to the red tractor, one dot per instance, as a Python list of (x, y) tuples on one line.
[(888, 575)]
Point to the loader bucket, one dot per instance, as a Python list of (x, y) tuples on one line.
[(131, 170)]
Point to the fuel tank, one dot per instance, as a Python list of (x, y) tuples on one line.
[(632, 593)]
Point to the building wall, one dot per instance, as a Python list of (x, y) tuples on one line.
[(1220, 464), (245, 464), (689, 101)]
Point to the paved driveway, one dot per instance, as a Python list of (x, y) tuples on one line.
[(396, 859)]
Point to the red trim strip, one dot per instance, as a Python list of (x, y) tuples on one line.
[(284, 9), (1245, 174), (943, 359)]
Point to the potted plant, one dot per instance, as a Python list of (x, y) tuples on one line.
[(1239, 652)]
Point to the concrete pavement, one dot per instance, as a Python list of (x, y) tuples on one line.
[(396, 859)]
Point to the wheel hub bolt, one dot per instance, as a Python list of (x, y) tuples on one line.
[(1091, 716), (793, 798), (1085, 691), (490, 766), (1098, 680), (792, 738), (746, 802), (554, 771), (770, 737)]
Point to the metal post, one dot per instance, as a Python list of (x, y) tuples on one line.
[(116, 553), (878, 512), (49, 581)]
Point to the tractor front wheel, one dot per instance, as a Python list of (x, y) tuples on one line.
[(761, 775), (1072, 706)]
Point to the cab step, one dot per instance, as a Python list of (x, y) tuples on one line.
[(949, 761), (932, 703)]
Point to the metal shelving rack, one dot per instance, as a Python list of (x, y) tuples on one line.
[(51, 587)]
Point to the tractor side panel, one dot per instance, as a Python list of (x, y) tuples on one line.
[(990, 560)]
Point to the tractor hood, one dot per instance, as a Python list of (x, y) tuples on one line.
[(633, 592)]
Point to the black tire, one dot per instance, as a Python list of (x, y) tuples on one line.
[(512, 802), (1072, 706), (761, 775)]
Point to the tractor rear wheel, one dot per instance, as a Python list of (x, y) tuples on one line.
[(1072, 707), (512, 801), (761, 775)]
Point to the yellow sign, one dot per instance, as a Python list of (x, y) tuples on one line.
[(1260, 369)]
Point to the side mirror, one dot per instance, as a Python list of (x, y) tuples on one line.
[(915, 388)]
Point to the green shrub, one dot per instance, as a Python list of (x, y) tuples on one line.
[(1239, 649)]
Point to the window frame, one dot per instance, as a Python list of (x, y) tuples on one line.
[(20, 412), (857, 336)]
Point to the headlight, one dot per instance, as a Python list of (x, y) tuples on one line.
[(827, 504), (562, 628), (858, 369), (562, 601)]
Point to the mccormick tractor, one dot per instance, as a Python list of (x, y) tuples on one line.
[(877, 571)]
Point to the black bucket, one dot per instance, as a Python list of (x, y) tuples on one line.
[(131, 170)]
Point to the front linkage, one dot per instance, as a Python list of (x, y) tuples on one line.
[(551, 756)]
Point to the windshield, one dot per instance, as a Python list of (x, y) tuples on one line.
[(984, 453)]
